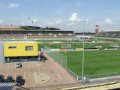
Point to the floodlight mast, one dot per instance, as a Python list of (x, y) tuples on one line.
[(83, 56)]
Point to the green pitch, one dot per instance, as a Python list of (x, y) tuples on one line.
[(77, 45), (96, 62)]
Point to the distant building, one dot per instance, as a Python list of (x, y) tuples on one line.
[(97, 29)]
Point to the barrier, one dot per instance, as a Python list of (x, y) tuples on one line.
[(62, 60)]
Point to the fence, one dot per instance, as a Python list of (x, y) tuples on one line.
[(74, 86), (57, 56), (62, 60), (6, 85), (103, 75)]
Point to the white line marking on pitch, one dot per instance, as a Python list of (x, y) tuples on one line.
[(59, 76)]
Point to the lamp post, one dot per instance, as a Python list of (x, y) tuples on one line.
[(83, 56)]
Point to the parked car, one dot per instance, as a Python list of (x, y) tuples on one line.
[(2, 78), (18, 65), (20, 80), (9, 79)]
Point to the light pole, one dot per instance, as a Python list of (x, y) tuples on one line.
[(83, 56)]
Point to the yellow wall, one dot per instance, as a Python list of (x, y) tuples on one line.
[(20, 49)]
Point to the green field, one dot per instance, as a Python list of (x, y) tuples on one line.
[(77, 45), (96, 62)]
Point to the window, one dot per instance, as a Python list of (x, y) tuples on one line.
[(29, 48), (12, 47)]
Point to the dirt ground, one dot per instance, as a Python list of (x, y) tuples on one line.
[(57, 73)]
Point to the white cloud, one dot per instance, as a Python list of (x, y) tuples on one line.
[(108, 21), (84, 20), (50, 23), (74, 17), (13, 5), (70, 24), (34, 20), (1, 21), (58, 22), (55, 22)]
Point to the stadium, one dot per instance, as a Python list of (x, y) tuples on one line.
[(62, 60)]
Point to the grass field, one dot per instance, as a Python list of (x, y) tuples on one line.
[(96, 62), (77, 45)]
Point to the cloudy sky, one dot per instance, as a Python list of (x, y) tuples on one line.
[(65, 14)]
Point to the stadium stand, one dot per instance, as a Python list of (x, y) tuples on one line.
[(32, 32), (110, 34)]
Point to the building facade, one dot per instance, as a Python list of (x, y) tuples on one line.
[(16, 51)]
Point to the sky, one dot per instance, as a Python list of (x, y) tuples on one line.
[(76, 15)]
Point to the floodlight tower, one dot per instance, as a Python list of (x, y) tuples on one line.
[(83, 56)]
